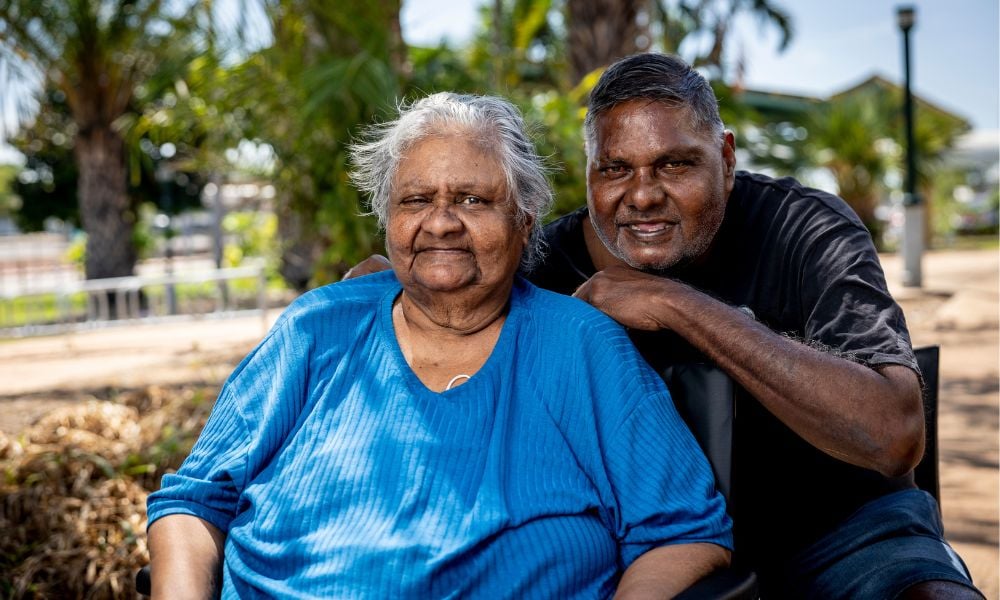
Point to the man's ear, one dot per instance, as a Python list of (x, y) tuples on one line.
[(729, 160), (729, 152)]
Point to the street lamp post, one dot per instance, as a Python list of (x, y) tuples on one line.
[(913, 207)]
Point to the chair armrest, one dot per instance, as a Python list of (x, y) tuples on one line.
[(723, 584), (143, 585)]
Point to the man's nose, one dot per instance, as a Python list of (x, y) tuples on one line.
[(646, 191), (442, 220)]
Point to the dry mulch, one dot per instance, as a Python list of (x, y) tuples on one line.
[(74, 487)]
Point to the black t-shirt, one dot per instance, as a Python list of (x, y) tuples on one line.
[(802, 261)]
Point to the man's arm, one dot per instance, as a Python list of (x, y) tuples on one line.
[(185, 558), (872, 418), (373, 264), (666, 571)]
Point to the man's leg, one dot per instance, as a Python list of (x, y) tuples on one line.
[(891, 547)]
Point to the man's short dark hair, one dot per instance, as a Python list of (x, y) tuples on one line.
[(658, 77)]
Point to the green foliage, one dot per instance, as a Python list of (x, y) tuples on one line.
[(47, 184), (561, 118), (253, 235), (10, 202), (846, 137), (521, 52), (41, 308), (442, 68)]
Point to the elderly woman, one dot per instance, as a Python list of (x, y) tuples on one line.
[(443, 429)]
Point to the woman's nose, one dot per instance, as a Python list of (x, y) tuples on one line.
[(442, 220)]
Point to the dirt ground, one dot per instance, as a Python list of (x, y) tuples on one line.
[(957, 308)]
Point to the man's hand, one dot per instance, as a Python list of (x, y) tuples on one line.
[(628, 296), (372, 264)]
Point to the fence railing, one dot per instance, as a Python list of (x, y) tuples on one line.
[(97, 303)]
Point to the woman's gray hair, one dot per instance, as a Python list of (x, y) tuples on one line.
[(495, 122)]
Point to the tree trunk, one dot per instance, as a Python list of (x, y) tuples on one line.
[(300, 248), (105, 209), (602, 31)]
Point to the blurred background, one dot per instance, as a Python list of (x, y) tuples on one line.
[(165, 163)]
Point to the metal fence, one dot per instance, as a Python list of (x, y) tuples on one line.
[(96, 303)]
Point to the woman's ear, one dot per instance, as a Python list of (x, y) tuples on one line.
[(526, 228)]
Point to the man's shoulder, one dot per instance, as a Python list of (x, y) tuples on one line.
[(757, 192), (566, 263)]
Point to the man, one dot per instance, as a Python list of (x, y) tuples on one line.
[(781, 287)]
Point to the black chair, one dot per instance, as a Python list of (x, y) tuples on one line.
[(926, 472), (705, 398)]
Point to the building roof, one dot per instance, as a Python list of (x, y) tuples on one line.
[(774, 102)]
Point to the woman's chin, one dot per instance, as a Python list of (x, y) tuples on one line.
[(444, 280)]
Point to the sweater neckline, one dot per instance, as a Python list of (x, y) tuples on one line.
[(480, 378)]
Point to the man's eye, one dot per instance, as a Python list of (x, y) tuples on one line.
[(412, 200), (471, 200), (614, 170)]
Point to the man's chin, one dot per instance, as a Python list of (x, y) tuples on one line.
[(654, 264)]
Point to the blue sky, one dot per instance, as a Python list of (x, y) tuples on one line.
[(956, 52)]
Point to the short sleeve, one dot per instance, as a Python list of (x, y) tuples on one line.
[(663, 483), (663, 487), (257, 406), (210, 481), (847, 303)]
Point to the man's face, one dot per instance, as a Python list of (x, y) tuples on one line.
[(656, 187)]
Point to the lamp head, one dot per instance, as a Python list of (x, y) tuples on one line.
[(906, 16)]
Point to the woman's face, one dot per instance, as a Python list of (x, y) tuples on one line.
[(450, 224)]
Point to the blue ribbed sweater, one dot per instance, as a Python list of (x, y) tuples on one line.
[(336, 473)]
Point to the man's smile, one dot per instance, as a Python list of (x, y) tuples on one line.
[(648, 229)]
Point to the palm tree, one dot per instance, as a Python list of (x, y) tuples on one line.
[(849, 137), (602, 31), (332, 68), (96, 53)]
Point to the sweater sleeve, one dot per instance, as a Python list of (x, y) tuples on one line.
[(660, 480), (256, 408)]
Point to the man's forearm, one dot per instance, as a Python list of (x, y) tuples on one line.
[(185, 558), (666, 571), (870, 418)]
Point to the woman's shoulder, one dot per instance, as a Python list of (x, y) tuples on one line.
[(338, 301), (560, 313)]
